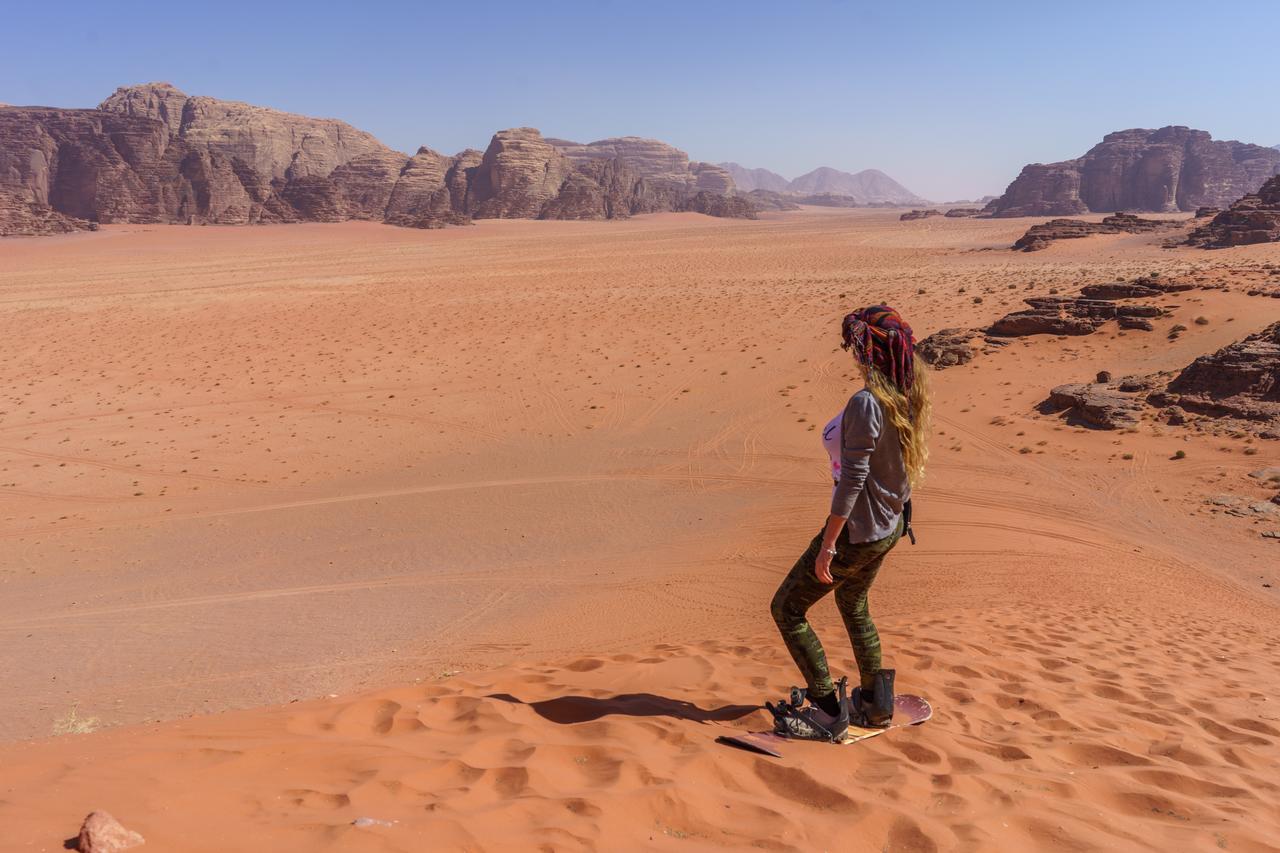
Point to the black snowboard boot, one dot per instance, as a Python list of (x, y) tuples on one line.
[(873, 709), (812, 722)]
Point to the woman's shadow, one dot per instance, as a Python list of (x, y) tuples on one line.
[(567, 710)]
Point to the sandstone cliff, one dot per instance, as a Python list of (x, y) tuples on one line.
[(151, 153), (1165, 170)]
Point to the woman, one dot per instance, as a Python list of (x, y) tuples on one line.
[(879, 454)]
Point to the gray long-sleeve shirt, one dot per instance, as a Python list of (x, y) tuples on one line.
[(873, 483)]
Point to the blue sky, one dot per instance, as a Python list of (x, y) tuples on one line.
[(950, 98)]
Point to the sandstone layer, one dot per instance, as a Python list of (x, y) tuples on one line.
[(1171, 169)]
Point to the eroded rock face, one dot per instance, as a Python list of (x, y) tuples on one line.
[(519, 174), (1170, 169), (153, 154), (963, 212), (1043, 235), (918, 214), (1253, 219), (1241, 380), (21, 217)]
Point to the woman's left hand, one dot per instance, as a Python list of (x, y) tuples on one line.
[(822, 567)]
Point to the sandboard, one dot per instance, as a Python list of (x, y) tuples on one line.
[(908, 710)]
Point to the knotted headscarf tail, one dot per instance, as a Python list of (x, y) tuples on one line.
[(880, 338)]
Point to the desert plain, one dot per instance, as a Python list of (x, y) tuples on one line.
[(351, 537)]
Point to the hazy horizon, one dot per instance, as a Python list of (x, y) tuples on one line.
[(950, 103)]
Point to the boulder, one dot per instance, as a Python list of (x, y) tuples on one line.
[(101, 833), (1170, 169)]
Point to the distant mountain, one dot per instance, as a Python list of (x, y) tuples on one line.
[(870, 186), (755, 179)]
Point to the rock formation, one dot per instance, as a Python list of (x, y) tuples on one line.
[(963, 212), (918, 214), (948, 347), (770, 200), (151, 153), (1041, 236), (1253, 219), (101, 833), (1239, 381), (1100, 404), (1170, 169), (1066, 315)]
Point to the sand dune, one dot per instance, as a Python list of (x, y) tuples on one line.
[(546, 476)]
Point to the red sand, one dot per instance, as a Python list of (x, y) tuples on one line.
[(246, 466)]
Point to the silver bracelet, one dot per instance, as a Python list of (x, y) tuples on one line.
[(831, 551)]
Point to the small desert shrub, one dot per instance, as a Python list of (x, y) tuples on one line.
[(1181, 454), (74, 724)]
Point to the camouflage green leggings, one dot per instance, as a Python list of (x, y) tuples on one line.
[(854, 569)]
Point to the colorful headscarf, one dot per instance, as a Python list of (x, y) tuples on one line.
[(880, 338)]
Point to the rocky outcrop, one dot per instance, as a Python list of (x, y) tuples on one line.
[(1098, 404), (1170, 169), (948, 347), (1253, 219), (1066, 315), (1043, 235), (160, 101), (963, 212), (423, 197), (660, 164), (21, 217), (714, 204), (519, 173), (918, 214), (1241, 381), (769, 200), (151, 153)]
